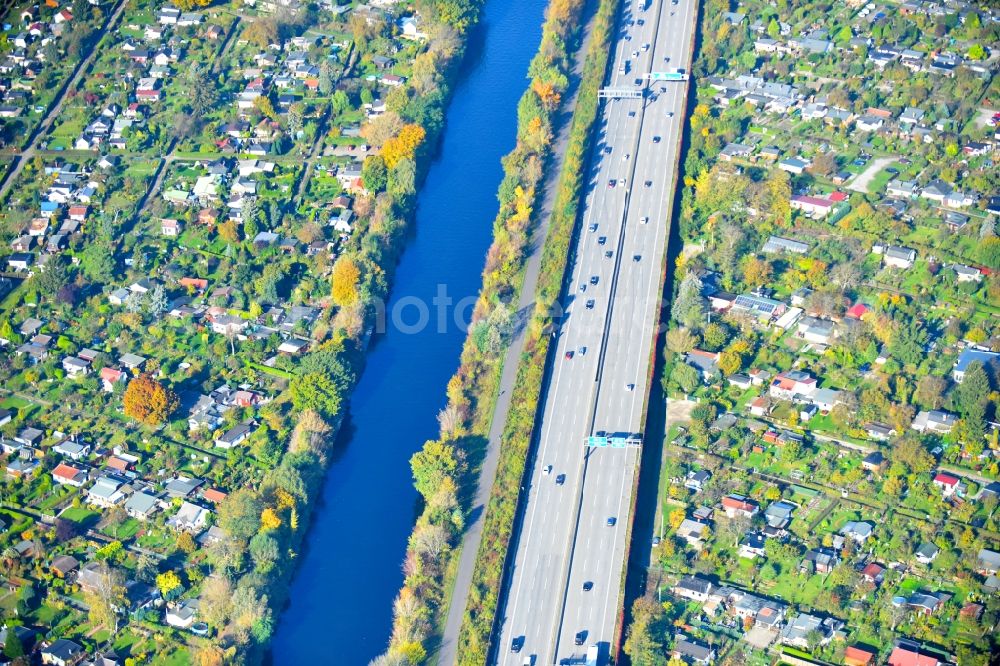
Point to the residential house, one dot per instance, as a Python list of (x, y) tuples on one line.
[(190, 518), (816, 330), (874, 461), (787, 385), (779, 514), (859, 531), (948, 484), (987, 562), (970, 355), (752, 546), (235, 435), (935, 421), (797, 631), (693, 588), (814, 207), (738, 505), (182, 614), (142, 506), (111, 377), (820, 560), (899, 257), (691, 651), (108, 490), (64, 565), (926, 553), (874, 573), (704, 362), (696, 480), (65, 474), (62, 652)]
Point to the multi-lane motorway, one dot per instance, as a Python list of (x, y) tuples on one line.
[(564, 590)]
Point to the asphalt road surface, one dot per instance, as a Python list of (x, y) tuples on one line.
[(611, 309)]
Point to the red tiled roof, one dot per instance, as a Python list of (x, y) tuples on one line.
[(65, 471), (905, 657), (946, 479)]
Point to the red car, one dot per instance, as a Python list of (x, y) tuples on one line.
[(569, 355)]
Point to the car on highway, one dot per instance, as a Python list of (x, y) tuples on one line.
[(590, 304), (670, 114), (636, 257), (581, 637), (631, 114), (601, 240), (569, 355), (643, 220), (561, 479), (612, 521), (608, 254), (583, 288), (648, 183), (635, 54), (627, 155), (621, 181), (547, 470), (641, 22), (588, 586), (656, 139), (517, 644), (594, 279), (593, 227), (630, 387), (612, 182), (582, 351), (645, 47), (607, 150)]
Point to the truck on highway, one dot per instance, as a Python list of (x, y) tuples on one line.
[(592, 655)]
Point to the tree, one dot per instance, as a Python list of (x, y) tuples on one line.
[(13, 648), (53, 278), (339, 103), (374, 173), (930, 391), (105, 598), (148, 401), (185, 543), (97, 261), (325, 83), (317, 392), (432, 465), (756, 272), (689, 307), (680, 340), (773, 29), (264, 551), (216, 603), (345, 281), (685, 377), (977, 52), (239, 513), (404, 145), (169, 584)]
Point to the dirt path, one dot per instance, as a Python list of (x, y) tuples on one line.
[(860, 184)]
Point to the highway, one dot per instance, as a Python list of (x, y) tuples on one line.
[(567, 575)]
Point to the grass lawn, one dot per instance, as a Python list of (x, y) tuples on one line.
[(82, 515)]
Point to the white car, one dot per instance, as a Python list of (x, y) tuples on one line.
[(547, 470), (643, 220)]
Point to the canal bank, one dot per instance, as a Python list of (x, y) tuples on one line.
[(341, 597)]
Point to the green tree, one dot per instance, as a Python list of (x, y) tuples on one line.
[(239, 514), (432, 465), (374, 173), (773, 29), (317, 392), (977, 52), (97, 262), (265, 551), (339, 103), (13, 648)]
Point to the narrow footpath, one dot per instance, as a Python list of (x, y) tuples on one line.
[(487, 474)]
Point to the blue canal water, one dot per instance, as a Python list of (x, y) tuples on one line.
[(340, 606)]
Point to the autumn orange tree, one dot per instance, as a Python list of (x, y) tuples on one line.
[(148, 401), (403, 145)]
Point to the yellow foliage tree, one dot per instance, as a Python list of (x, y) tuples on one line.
[(404, 145), (269, 519), (675, 518), (345, 281)]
